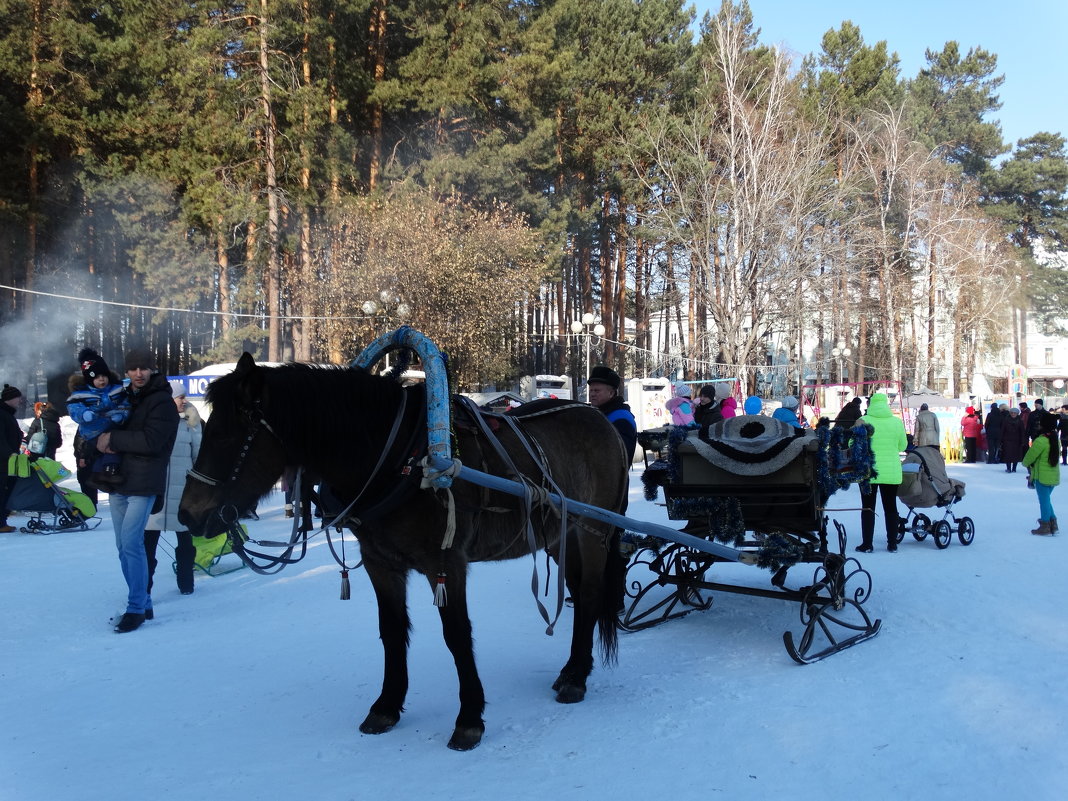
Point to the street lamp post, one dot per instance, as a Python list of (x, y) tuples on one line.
[(388, 305), (841, 352), (384, 309), (589, 326)]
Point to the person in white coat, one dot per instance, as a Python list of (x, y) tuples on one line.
[(183, 456)]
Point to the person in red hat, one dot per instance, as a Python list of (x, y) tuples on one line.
[(971, 426)]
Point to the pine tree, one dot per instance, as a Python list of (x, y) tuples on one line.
[(952, 98), (1028, 193)]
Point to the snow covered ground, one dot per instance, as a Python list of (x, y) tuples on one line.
[(252, 688)]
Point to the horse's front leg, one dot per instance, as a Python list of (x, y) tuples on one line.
[(391, 590), (456, 627)]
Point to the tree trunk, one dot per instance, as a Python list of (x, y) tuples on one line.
[(222, 262), (304, 329), (377, 57), (273, 283), (932, 267)]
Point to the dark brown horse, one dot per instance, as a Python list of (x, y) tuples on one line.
[(362, 439)]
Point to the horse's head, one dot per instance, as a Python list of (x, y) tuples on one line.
[(241, 455)]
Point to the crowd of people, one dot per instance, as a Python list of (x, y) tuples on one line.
[(1034, 437), (136, 439)]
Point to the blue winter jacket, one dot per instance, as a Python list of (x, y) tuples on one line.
[(787, 416), (98, 410)]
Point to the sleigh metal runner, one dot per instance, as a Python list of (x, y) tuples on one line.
[(754, 492)]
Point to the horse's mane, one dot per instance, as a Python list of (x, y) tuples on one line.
[(311, 406)]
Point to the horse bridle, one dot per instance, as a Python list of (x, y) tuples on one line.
[(230, 520), (229, 515)]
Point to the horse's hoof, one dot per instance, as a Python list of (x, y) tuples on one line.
[(466, 738), (569, 693), (376, 723)]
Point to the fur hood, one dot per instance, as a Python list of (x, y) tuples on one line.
[(191, 415), (76, 382)]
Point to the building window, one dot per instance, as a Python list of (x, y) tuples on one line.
[(1049, 357)]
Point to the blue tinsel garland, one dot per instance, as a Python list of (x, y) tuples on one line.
[(724, 515), (845, 457), (779, 550)]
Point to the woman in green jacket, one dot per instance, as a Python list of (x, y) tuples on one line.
[(1042, 461), (887, 442)]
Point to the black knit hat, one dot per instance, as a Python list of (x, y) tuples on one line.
[(605, 375), (9, 392), (139, 357), (92, 364)]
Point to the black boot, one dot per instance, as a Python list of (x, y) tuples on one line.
[(184, 554), (129, 622), (151, 544)]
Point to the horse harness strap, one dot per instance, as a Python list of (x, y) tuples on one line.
[(302, 523), (534, 493)]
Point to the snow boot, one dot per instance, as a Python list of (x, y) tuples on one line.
[(1043, 528), (129, 622), (184, 554), (1052, 525)]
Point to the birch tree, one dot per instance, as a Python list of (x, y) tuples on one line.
[(736, 183)]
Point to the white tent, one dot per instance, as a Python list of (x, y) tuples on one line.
[(934, 400)]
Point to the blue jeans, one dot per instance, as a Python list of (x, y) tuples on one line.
[(129, 515), (1045, 502)]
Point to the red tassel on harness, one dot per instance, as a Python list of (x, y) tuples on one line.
[(344, 585), (441, 597)]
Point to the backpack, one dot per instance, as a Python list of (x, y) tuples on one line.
[(38, 442)]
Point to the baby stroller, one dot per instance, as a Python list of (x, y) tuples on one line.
[(51, 507), (925, 484)]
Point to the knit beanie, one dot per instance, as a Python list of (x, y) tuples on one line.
[(139, 357), (177, 388), (92, 364), (682, 391), (9, 392), (789, 402)]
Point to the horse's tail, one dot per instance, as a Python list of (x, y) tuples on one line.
[(612, 594)]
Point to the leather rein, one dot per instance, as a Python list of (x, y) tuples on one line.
[(229, 515)]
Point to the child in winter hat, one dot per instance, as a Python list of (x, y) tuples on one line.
[(787, 412), (681, 407), (753, 405), (99, 407), (93, 366)]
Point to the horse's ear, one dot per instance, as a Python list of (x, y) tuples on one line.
[(245, 364), (250, 380)]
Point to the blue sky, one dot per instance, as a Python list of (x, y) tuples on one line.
[(1030, 38)]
